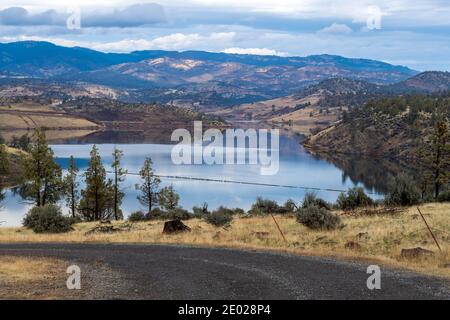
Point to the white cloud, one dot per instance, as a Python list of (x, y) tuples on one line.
[(256, 51), (411, 12), (337, 28), (415, 29), (175, 41)]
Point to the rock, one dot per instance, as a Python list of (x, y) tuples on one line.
[(351, 245), (175, 226), (415, 253)]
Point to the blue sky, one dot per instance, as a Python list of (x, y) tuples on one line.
[(415, 33)]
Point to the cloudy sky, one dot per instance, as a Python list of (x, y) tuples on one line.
[(415, 33)]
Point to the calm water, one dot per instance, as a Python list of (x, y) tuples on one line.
[(297, 168)]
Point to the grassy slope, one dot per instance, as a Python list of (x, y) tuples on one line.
[(388, 138), (284, 111), (389, 128), (15, 157), (28, 115), (381, 237)]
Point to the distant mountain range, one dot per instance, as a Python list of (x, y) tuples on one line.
[(237, 77), (203, 78)]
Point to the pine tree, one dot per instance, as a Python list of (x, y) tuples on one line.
[(435, 158), (149, 186), (96, 202), (168, 198), (4, 162), (440, 156), (71, 186), (43, 175), (119, 176)]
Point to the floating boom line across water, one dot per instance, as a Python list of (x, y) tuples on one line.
[(175, 177)]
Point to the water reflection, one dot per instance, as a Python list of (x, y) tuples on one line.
[(373, 173), (297, 167)]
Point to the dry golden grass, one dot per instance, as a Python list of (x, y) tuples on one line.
[(263, 109), (31, 278), (381, 237), (16, 152), (30, 121), (302, 121), (51, 135), (31, 115), (27, 106), (25, 269)]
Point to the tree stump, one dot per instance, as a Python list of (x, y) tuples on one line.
[(175, 226)]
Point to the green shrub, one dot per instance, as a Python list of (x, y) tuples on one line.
[(220, 217), (137, 216), (177, 213), (199, 212), (354, 198), (318, 218), (311, 199), (402, 191), (444, 196), (290, 206), (47, 219), (156, 213), (75, 220), (264, 206), (239, 211)]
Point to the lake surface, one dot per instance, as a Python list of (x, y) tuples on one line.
[(296, 168)]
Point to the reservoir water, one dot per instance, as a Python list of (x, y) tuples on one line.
[(296, 168)]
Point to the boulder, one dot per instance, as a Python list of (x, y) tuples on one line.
[(175, 226), (415, 253)]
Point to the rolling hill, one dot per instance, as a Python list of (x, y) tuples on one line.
[(425, 82), (226, 78)]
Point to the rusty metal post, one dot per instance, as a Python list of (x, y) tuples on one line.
[(279, 229), (429, 229)]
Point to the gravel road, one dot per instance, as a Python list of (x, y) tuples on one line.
[(184, 272)]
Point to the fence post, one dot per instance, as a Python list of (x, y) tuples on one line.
[(279, 229), (429, 229)]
